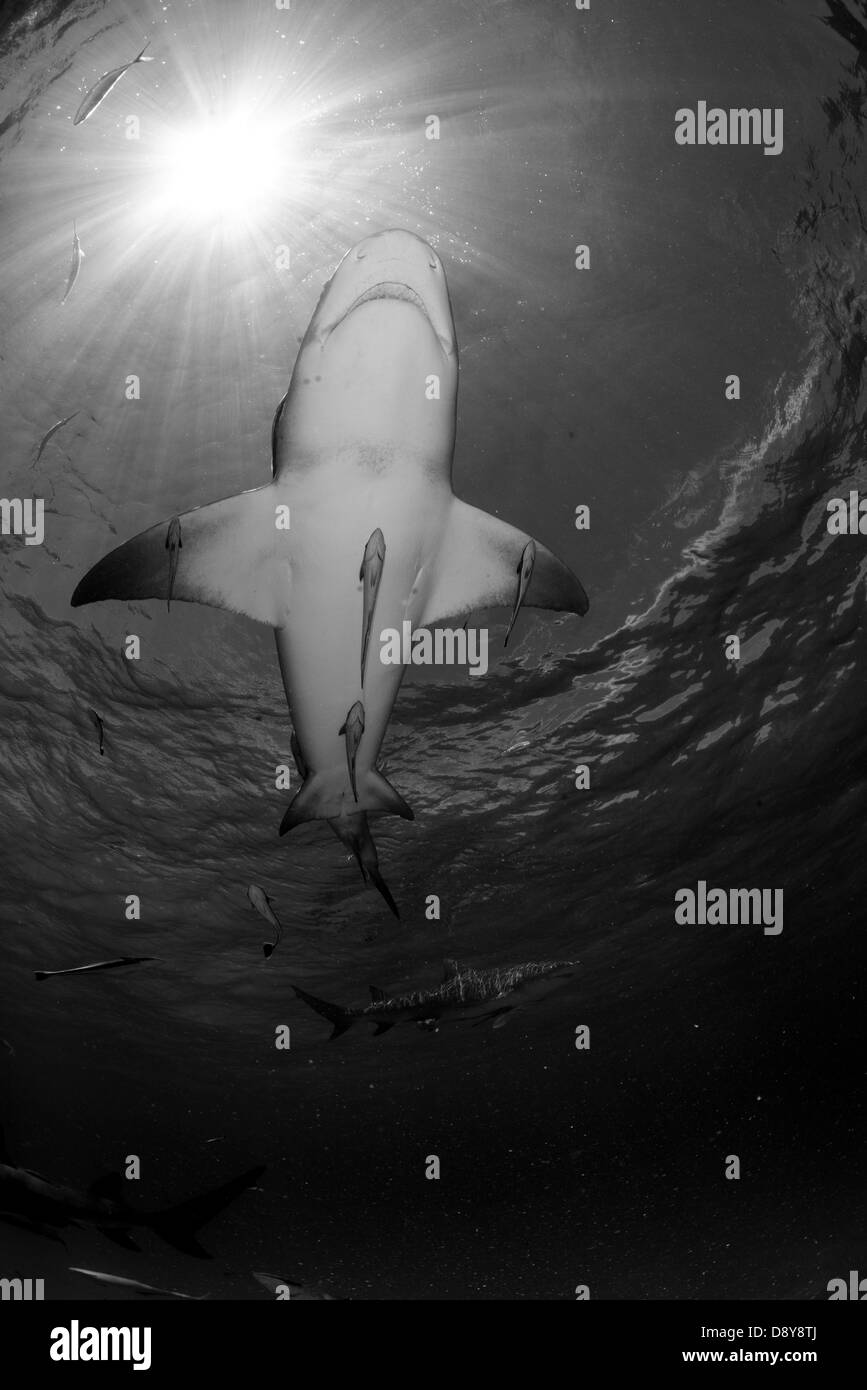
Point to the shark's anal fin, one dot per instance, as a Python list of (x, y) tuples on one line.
[(231, 554), (476, 565)]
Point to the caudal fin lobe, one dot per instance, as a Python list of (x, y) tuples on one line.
[(339, 1018), (179, 1225)]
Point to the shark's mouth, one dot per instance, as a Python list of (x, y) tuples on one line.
[(389, 289), (386, 289)]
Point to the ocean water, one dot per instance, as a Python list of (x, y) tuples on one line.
[(605, 388)]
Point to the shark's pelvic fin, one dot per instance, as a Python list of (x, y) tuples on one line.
[(475, 568), (370, 574), (226, 548), (382, 1028)]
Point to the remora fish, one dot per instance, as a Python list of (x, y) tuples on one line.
[(98, 965), (117, 1281), (354, 832), (75, 267), (100, 90), (463, 994), (357, 447), (49, 434), (262, 903), (29, 1200), (298, 1293)]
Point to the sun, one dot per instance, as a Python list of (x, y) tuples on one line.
[(231, 169)]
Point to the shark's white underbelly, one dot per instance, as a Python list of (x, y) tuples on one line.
[(320, 643)]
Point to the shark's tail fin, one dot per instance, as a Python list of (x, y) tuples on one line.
[(178, 1225), (340, 1018), (379, 882), (354, 832)]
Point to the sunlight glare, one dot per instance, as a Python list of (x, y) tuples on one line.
[(228, 170)]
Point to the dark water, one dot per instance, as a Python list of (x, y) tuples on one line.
[(559, 1167)]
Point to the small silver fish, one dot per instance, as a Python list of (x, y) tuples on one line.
[(52, 432), (262, 903), (98, 965), (117, 1281), (77, 258), (100, 90)]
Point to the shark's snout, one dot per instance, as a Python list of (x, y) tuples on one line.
[(394, 265)]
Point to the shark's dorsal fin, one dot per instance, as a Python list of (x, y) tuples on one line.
[(451, 970), (109, 1187), (377, 994), (476, 567), (229, 547)]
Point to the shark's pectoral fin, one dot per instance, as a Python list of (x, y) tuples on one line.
[(231, 558), (477, 567)]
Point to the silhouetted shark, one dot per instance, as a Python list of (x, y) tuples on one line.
[(463, 994), (35, 1203)]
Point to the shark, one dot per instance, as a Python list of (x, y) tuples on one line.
[(480, 995), (37, 1204), (358, 530)]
